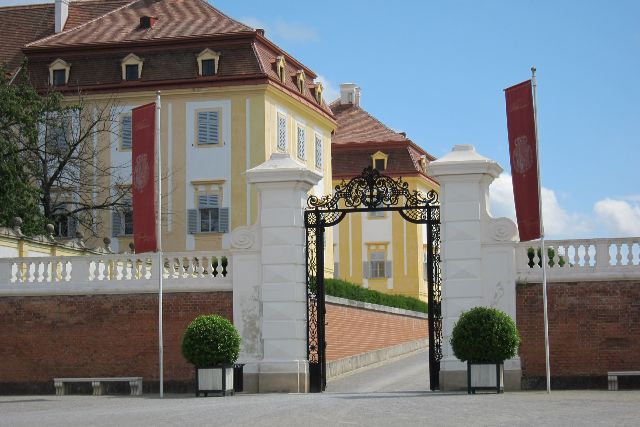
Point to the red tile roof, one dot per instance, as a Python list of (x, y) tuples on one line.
[(355, 125), (245, 53), (20, 25), (175, 19), (359, 135)]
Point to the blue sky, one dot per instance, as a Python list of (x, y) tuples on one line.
[(437, 70)]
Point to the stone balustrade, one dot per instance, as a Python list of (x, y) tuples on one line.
[(580, 260), (115, 273)]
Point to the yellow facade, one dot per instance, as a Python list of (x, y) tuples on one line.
[(249, 141), (402, 243)]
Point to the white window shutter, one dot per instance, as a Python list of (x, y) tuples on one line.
[(388, 269), (116, 224), (336, 270), (282, 133), (208, 127), (126, 132), (192, 221), (72, 226), (223, 220)]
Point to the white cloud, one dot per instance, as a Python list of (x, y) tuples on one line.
[(295, 32), (287, 31), (620, 217), (253, 22), (558, 223), (330, 93)]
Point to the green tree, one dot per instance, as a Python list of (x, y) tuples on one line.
[(53, 169)]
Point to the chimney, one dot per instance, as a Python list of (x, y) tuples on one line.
[(62, 13), (147, 22), (349, 94)]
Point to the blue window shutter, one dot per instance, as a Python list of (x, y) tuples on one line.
[(208, 201), (192, 221), (223, 220), (202, 128), (366, 271), (203, 201), (125, 131), (116, 224), (72, 226), (213, 127), (387, 269), (208, 127)]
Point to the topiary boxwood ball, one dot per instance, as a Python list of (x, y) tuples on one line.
[(210, 340), (485, 335)]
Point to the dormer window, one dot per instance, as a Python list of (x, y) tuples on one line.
[(132, 67), (380, 161), (59, 72), (59, 77), (280, 67), (208, 62), (300, 80), (131, 72), (318, 92)]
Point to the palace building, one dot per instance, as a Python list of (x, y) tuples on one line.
[(379, 250), (230, 98)]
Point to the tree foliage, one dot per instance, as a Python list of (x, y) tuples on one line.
[(54, 162)]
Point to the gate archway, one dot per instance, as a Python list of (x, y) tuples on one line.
[(369, 192)]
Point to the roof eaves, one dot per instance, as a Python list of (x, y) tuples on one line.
[(289, 58)]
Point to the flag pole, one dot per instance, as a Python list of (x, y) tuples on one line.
[(159, 247), (543, 252)]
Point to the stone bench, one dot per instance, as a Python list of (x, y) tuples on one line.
[(613, 377), (97, 383)]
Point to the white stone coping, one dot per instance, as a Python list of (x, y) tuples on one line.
[(102, 288), (370, 359), (375, 307)]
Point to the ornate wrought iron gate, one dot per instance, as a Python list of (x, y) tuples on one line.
[(369, 192)]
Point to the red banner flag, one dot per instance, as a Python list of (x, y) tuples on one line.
[(524, 159), (143, 188)]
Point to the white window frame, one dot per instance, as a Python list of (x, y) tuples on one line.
[(131, 59), (205, 55)]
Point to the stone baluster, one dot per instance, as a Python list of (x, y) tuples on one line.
[(619, 246), (630, 252)]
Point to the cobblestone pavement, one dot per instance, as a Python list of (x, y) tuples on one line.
[(390, 395)]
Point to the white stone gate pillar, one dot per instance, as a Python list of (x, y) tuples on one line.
[(478, 253), (283, 185)]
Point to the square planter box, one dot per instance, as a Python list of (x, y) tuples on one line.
[(485, 376), (215, 380)]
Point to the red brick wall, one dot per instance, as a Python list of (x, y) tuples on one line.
[(594, 327), (353, 330), (102, 335)]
